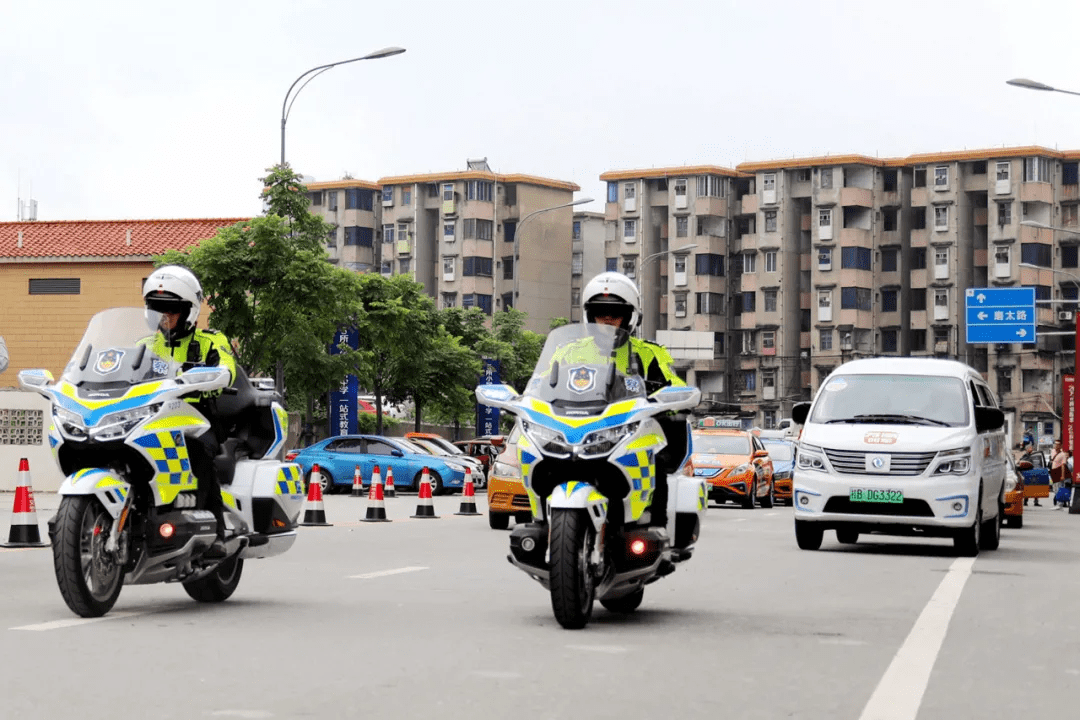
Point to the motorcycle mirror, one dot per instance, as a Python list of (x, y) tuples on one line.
[(34, 378), (553, 378)]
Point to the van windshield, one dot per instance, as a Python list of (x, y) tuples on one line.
[(893, 399)]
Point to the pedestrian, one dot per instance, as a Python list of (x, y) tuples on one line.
[(1057, 470), (3, 355)]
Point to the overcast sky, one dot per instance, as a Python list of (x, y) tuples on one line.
[(150, 110)]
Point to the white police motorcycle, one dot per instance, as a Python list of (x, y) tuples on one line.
[(588, 451), (119, 431)]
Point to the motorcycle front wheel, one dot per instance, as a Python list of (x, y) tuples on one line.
[(90, 578), (571, 575)]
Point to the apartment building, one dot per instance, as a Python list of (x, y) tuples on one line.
[(352, 209), (839, 257), (587, 256)]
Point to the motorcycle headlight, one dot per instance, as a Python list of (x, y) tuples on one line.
[(550, 441), (70, 423), (810, 458), (118, 424), (505, 470), (604, 441)]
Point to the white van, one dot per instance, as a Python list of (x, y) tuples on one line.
[(901, 446)]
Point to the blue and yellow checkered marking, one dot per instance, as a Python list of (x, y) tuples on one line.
[(289, 481), (169, 455), (639, 466)]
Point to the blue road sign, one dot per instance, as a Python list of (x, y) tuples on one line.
[(1000, 315)]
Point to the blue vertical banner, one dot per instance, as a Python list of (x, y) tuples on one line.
[(487, 418), (342, 419)]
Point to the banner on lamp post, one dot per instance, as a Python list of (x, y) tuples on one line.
[(1068, 413), (487, 418), (342, 420)]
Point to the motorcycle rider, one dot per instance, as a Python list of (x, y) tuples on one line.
[(176, 293), (612, 298)]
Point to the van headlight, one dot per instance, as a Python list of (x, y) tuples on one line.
[(118, 424), (953, 462), (603, 441), (551, 441), (811, 457)]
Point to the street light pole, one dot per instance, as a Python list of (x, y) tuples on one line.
[(1036, 85), (290, 96), (641, 273), (517, 239)]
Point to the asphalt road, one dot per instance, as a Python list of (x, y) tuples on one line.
[(425, 618)]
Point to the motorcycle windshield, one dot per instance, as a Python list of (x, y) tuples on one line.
[(117, 351), (586, 367)]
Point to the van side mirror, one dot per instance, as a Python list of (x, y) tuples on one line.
[(800, 412), (988, 419)]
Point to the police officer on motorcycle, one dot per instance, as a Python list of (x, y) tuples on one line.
[(176, 294), (612, 298)]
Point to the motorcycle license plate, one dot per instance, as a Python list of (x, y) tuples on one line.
[(876, 495)]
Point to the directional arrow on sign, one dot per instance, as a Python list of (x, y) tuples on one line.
[(1021, 333), (982, 315), (980, 297)]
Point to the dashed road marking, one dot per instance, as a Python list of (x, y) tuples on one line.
[(385, 573), (75, 622)]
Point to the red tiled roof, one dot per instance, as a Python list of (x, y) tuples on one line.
[(104, 238)]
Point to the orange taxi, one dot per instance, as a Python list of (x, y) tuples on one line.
[(1014, 493), (506, 496), (734, 462)]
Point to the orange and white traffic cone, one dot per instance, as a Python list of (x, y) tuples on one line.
[(314, 513), (468, 496), (376, 508), (357, 483), (24, 527), (425, 508), (389, 490)]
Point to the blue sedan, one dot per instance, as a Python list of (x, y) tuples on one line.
[(339, 456)]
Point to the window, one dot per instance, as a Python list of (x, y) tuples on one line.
[(749, 380), (629, 191), (448, 192), (770, 261), (448, 232), (1069, 173), (1036, 254), (680, 188), (889, 300), (770, 221), (477, 300), (680, 269), (449, 300), (1069, 214), (611, 265), (576, 261), (476, 229), (708, 303), (360, 236), (316, 198), (55, 286), (403, 232), (509, 231), (825, 218), (749, 301), (682, 226), (706, 264), (331, 236), (917, 298), (749, 263), (476, 265), (941, 217), (918, 218), (629, 267), (1003, 171), (508, 267), (577, 230), (768, 182), (748, 342), (629, 232), (888, 181), (768, 342), (1001, 255), (388, 196), (889, 258), (857, 258), (432, 190), (824, 303), (889, 340), (888, 219), (388, 233), (680, 304), (824, 258), (1004, 213), (1068, 256), (802, 175), (1036, 169), (1004, 377), (358, 199), (941, 176), (575, 297), (918, 258), (406, 196), (941, 297), (770, 300), (331, 200), (825, 339), (825, 177), (449, 266), (403, 266), (918, 178), (918, 340), (507, 301), (613, 192), (854, 298), (710, 186), (387, 267), (479, 190)]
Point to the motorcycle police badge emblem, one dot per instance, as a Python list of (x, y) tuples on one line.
[(108, 361), (582, 379)]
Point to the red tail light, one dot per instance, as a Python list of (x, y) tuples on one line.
[(637, 547), (291, 455)]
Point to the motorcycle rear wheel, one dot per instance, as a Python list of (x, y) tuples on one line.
[(219, 585), (571, 576), (89, 578)]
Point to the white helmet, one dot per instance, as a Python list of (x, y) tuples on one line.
[(612, 293), (171, 289)]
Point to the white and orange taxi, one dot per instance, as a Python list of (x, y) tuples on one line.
[(734, 463)]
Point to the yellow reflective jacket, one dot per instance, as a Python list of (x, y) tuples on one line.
[(655, 360), (208, 347)]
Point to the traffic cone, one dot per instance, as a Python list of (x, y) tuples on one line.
[(357, 483), (314, 514), (376, 508), (389, 490), (468, 496), (425, 508), (24, 527)]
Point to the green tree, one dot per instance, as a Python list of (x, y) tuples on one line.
[(558, 322), (445, 377)]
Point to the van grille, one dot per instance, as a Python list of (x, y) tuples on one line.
[(854, 462)]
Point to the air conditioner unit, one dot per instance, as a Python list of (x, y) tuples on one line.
[(1065, 315)]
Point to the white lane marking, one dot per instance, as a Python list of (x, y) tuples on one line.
[(497, 674), (74, 622), (900, 692), (384, 573), (607, 649), (741, 519), (250, 714)]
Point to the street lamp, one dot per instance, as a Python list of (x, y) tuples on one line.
[(286, 105), (517, 239), (641, 274), (1036, 85)]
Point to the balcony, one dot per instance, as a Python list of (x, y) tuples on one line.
[(858, 197), (855, 237), (748, 204), (918, 197), (1036, 192), (919, 238), (891, 199), (979, 216), (710, 206), (804, 223)]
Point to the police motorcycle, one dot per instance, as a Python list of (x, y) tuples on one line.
[(119, 432), (588, 450)]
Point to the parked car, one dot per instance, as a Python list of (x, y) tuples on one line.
[(339, 456), (735, 464), (1014, 494), (782, 454), (484, 449), (1036, 473), (506, 494), (429, 444)]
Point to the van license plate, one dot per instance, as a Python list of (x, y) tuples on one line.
[(876, 495)]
